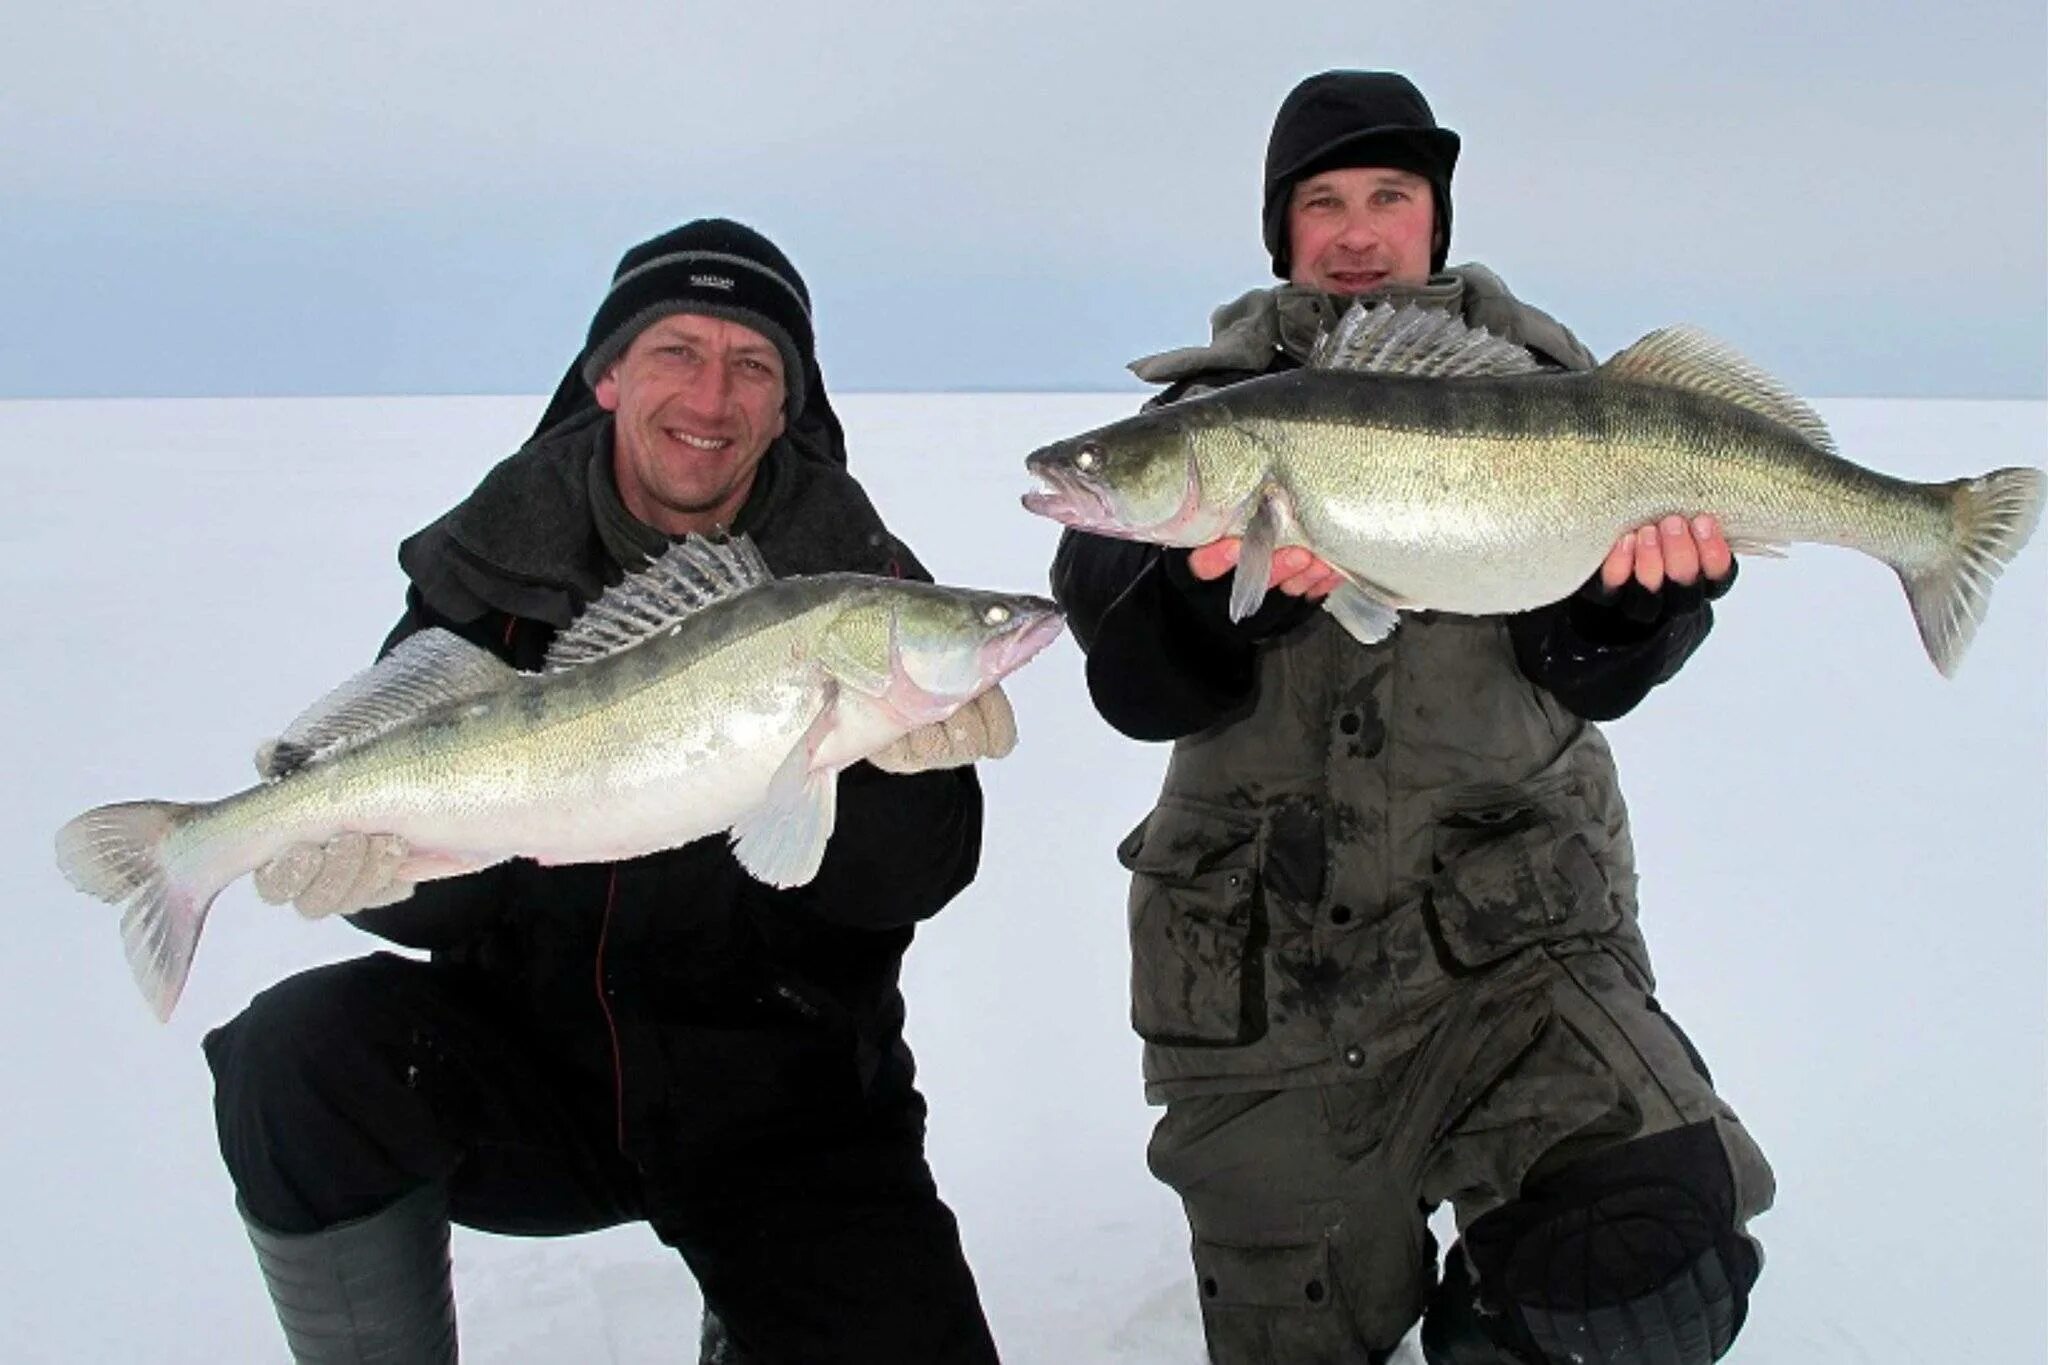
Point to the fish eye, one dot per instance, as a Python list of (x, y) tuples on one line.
[(996, 615), (1088, 458)]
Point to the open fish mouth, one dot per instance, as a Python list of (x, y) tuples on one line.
[(1076, 503)]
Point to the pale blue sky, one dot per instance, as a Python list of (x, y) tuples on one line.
[(232, 197)]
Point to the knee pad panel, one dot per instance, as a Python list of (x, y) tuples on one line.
[(1633, 1256)]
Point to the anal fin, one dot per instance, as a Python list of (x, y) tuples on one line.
[(1367, 613)]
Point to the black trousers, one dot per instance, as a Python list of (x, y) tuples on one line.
[(341, 1089)]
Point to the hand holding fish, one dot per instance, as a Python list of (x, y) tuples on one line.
[(1673, 548), (984, 728), (1296, 571), (347, 873)]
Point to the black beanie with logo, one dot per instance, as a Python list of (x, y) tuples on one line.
[(713, 267), (721, 269), (1342, 119)]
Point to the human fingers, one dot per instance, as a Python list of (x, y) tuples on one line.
[(1681, 552), (1301, 573), (985, 727), (1717, 557), (1215, 559), (999, 723), (1314, 583), (1619, 565), (1649, 559), (379, 869), (901, 754), (356, 871), (341, 862), (282, 878)]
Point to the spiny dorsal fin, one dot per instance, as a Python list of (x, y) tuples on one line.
[(1687, 358), (1426, 343), (421, 672), (691, 574)]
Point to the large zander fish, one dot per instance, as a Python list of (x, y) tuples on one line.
[(700, 695), (1438, 468)]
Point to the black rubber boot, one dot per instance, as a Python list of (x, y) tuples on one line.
[(376, 1291)]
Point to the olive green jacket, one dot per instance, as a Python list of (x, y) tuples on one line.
[(1383, 832)]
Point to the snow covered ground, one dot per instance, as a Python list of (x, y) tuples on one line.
[(1844, 884)]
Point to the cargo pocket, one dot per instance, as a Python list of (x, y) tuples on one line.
[(1264, 1277), (1517, 868), (1197, 927)]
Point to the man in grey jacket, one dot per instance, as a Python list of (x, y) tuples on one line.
[(1384, 942)]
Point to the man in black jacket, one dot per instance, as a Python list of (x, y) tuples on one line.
[(1383, 919), (662, 1039)]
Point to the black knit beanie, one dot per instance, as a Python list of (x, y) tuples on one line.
[(1342, 119), (717, 268)]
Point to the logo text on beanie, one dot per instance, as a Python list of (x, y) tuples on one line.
[(724, 282)]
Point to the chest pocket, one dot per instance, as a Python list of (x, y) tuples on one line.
[(1517, 867), (1198, 929)]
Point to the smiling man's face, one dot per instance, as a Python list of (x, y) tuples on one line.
[(1353, 230), (697, 401)]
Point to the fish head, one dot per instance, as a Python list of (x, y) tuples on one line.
[(953, 644), (927, 650), (1135, 480)]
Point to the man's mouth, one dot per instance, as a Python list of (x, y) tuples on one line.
[(1357, 281), (695, 442)]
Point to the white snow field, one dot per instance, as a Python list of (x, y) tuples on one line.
[(1844, 885)]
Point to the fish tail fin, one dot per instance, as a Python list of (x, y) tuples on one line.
[(117, 854), (1990, 518)]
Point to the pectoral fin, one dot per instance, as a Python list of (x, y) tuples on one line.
[(782, 840), (1254, 573)]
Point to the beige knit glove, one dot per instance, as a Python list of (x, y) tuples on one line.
[(349, 872), (984, 728)]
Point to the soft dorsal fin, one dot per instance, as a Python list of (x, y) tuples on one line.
[(691, 574), (1687, 358), (423, 671), (1426, 343)]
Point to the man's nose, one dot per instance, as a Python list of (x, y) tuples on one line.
[(709, 390), (1357, 233)]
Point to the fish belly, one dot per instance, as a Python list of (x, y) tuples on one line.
[(1444, 530)]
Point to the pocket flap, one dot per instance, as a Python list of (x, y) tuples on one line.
[(1197, 975), (1181, 842), (1264, 1277), (1514, 873)]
